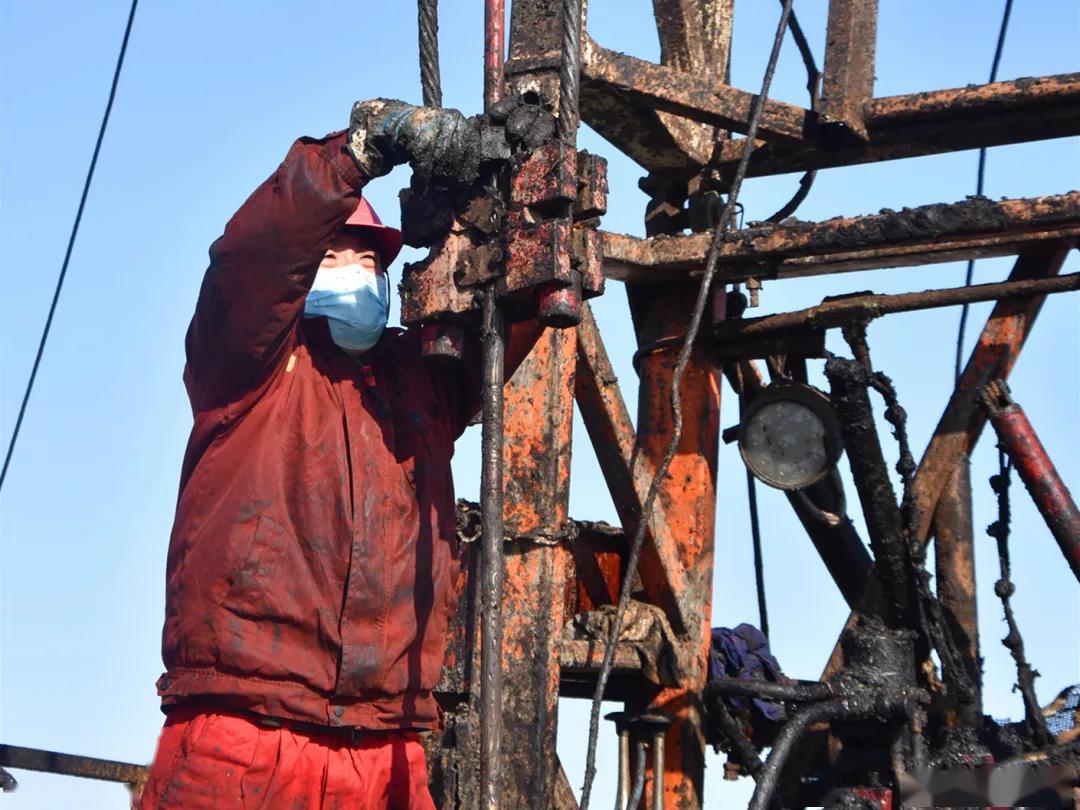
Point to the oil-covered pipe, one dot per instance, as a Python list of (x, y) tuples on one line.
[(882, 707), (491, 552), (849, 381), (820, 509), (1052, 498), (491, 473)]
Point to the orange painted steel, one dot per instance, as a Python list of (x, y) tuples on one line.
[(538, 418), (688, 497)]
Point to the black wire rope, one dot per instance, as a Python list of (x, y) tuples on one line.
[(711, 263), (70, 246), (759, 559), (813, 87), (980, 178), (428, 32)]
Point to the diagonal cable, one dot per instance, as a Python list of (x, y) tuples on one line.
[(70, 245), (711, 263)]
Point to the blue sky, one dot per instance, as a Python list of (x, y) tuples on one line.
[(212, 95)]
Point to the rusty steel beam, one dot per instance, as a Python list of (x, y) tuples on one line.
[(688, 496), (847, 82), (929, 123), (539, 416), (962, 423), (628, 473), (695, 35), (646, 84), (954, 562), (929, 234), (695, 38), (863, 308), (993, 358), (35, 759)]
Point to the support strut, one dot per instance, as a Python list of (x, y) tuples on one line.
[(1037, 471)]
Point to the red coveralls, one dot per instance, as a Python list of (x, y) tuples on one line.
[(313, 562)]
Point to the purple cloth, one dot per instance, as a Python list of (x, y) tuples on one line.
[(743, 652)]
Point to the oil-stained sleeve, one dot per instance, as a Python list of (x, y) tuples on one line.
[(261, 269), (460, 383)]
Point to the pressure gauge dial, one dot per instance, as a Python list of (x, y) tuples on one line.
[(790, 436)]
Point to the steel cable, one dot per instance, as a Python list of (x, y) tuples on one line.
[(813, 87), (570, 71), (676, 401), (759, 560), (70, 244), (979, 180), (428, 29)]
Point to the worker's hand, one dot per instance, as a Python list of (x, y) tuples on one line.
[(443, 143)]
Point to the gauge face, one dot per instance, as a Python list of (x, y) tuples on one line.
[(786, 442)]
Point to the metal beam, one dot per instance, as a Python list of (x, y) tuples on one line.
[(691, 485), (848, 78), (658, 87), (539, 416), (695, 37), (929, 234), (35, 759), (865, 307), (954, 564), (929, 123)]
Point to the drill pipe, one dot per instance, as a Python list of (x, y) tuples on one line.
[(491, 559)]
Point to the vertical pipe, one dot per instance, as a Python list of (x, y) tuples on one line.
[(639, 775), (623, 796), (494, 48), (491, 576), (1037, 471), (954, 557), (658, 769), (491, 475)]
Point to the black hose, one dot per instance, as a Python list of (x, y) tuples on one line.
[(841, 709)]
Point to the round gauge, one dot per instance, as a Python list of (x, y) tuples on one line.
[(790, 436)]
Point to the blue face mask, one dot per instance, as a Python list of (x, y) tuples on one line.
[(355, 303)]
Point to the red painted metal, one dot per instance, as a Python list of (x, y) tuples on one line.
[(494, 49), (1037, 471), (882, 797)]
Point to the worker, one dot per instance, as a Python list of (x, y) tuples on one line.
[(312, 565)]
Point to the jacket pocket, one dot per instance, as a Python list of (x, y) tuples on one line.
[(271, 581)]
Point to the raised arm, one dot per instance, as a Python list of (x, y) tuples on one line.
[(262, 267)]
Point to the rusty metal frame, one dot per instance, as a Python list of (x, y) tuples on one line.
[(674, 119)]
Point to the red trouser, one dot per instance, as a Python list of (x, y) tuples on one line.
[(228, 762)]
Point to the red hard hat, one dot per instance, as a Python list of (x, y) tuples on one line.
[(387, 241)]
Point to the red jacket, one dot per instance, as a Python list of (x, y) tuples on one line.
[(311, 565)]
